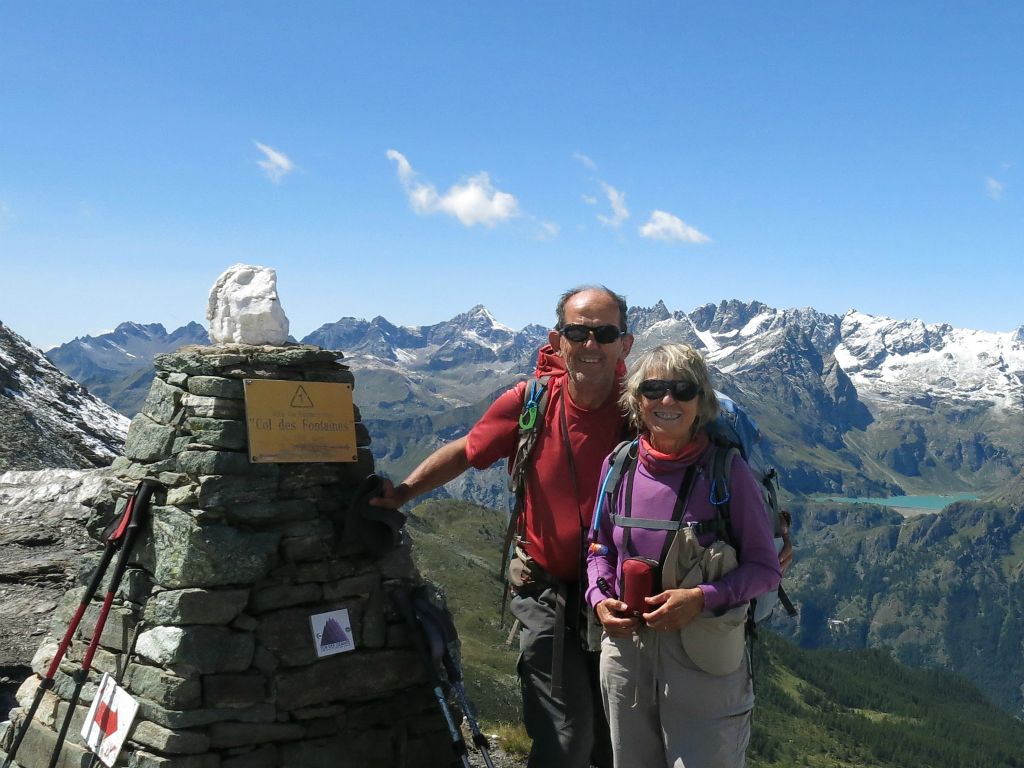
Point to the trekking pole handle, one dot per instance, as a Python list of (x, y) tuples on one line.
[(141, 498), (139, 507), (113, 538)]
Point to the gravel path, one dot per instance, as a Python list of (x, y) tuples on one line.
[(499, 758)]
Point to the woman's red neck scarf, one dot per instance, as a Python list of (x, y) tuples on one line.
[(654, 460)]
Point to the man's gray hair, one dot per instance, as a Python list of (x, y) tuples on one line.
[(617, 298)]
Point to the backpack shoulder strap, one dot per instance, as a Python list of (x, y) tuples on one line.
[(535, 404), (721, 473), (619, 459), (622, 456)]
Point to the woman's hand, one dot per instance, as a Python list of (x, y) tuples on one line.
[(675, 608), (614, 618)]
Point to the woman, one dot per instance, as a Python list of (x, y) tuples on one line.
[(675, 674)]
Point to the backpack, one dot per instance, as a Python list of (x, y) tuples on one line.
[(734, 431)]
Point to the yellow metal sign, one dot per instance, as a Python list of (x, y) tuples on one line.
[(299, 421)]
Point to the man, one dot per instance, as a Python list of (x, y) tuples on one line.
[(582, 424)]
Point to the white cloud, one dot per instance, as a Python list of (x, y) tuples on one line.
[(994, 188), (585, 161), (473, 201), (405, 171), (548, 230), (275, 164), (665, 226), (589, 199), (617, 200)]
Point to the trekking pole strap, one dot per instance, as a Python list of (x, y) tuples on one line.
[(791, 610)]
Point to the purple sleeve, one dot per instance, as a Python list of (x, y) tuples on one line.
[(602, 565), (758, 570)]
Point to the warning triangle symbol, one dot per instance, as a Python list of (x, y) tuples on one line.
[(300, 399)]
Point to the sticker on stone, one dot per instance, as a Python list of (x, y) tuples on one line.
[(332, 632)]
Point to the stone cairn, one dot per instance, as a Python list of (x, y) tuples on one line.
[(236, 558)]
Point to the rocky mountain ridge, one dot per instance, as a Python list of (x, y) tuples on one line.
[(849, 404), (472, 336), (43, 538), (46, 418), (118, 366)]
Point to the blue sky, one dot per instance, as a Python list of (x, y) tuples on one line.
[(413, 159)]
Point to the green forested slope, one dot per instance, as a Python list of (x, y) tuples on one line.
[(943, 590), (862, 708), (815, 707)]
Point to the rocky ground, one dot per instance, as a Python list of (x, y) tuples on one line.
[(42, 542), (499, 758)]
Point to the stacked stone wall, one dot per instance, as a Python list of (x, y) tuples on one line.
[(234, 561)]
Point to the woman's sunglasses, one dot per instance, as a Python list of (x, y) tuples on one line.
[(682, 391), (603, 334)]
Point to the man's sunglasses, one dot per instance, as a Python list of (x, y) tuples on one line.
[(603, 334), (682, 391)]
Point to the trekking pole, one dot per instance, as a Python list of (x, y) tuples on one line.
[(113, 538), (127, 532), (427, 612), (430, 646)]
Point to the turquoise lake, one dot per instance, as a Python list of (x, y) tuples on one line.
[(919, 503)]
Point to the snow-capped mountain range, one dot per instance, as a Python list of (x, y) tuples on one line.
[(889, 361), (896, 362), (473, 336), (848, 403), (892, 362), (853, 403)]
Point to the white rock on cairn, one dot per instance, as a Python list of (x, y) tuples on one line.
[(244, 308)]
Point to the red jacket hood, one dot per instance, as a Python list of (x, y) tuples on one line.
[(550, 363)]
